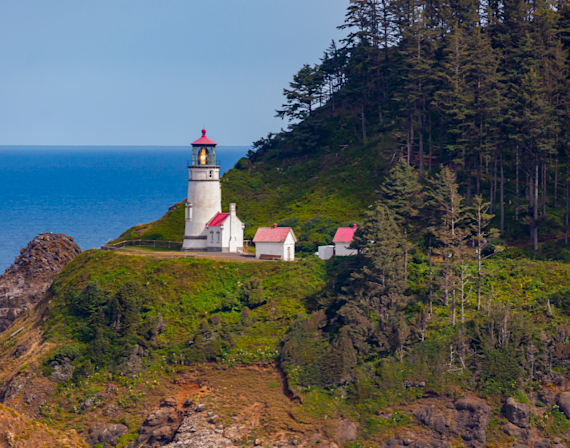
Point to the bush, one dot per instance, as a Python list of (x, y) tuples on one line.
[(109, 324)]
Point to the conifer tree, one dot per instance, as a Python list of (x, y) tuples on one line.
[(304, 94), (377, 287), (448, 213), (402, 194), (480, 221)]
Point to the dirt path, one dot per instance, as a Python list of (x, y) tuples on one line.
[(209, 255)]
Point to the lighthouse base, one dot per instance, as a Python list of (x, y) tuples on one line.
[(194, 243)]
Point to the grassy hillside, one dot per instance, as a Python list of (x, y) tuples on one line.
[(168, 228), (234, 315)]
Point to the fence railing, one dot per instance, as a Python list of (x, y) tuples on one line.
[(143, 243)]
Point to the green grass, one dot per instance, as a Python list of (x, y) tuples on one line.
[(168, 228), (188, 293)]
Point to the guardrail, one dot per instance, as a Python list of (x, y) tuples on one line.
[(143, 243)]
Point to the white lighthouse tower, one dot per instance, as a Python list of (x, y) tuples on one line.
[(207, 228)]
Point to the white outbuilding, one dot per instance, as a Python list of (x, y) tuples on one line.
[(225, 232), (342, 239), (275, 243)]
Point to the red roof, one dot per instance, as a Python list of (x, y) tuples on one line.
[(204, 141), (218, 220), (273, 234), (344, 234)]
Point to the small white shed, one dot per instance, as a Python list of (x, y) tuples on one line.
[(326, 252), (275, 243), (342, 240)]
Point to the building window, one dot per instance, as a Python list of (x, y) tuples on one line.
[(218, 237), (212, 236)]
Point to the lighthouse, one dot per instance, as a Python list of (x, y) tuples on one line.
[(206, 227)]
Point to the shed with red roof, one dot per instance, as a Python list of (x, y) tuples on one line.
[(275, 242), (224, 232), (342, 240)]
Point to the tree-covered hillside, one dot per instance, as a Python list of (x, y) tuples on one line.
[(478, 86)]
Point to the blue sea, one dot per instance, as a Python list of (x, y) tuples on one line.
[(90, 193)]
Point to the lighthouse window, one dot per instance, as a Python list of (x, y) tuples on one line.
[(210, 174)]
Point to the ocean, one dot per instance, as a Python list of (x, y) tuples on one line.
[(90, 193)]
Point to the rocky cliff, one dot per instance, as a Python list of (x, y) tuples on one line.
[(25, 282)]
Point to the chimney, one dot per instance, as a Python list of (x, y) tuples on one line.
[(233, 209), (274, 226)]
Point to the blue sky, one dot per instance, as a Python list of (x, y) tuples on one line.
[(139, 72)]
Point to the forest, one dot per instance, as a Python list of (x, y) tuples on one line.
[(480, 87)]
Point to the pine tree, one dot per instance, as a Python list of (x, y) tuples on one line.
[(480, 221), (305, 93), (402, 194), (377, 287), (448, 213)]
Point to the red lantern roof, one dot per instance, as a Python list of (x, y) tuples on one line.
[(204, 141)]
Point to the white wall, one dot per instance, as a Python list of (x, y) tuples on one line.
[(326, 252), (235, 236), (228, 237), (268, 249), (218, 237), (289, 252), (343, 250), (285, 250)]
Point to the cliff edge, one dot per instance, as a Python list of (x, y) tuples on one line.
[(25, 282)]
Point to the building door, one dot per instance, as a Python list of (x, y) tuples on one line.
[(289, 253)]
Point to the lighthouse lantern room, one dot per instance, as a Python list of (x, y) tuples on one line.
[(204, 205)]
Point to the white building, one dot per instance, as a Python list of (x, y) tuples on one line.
[(342, 239), (207, 228), (326, 252), (225, 232), (277, 243)]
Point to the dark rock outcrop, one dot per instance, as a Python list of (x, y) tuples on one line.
[(547, 396), (160, 426), (134, 363), (346, 431), (564, 403), (106, 434), (62, 370), (25, 282), (517, 413), (427, 415), (472, 420), (515, 431), (431, 442)]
